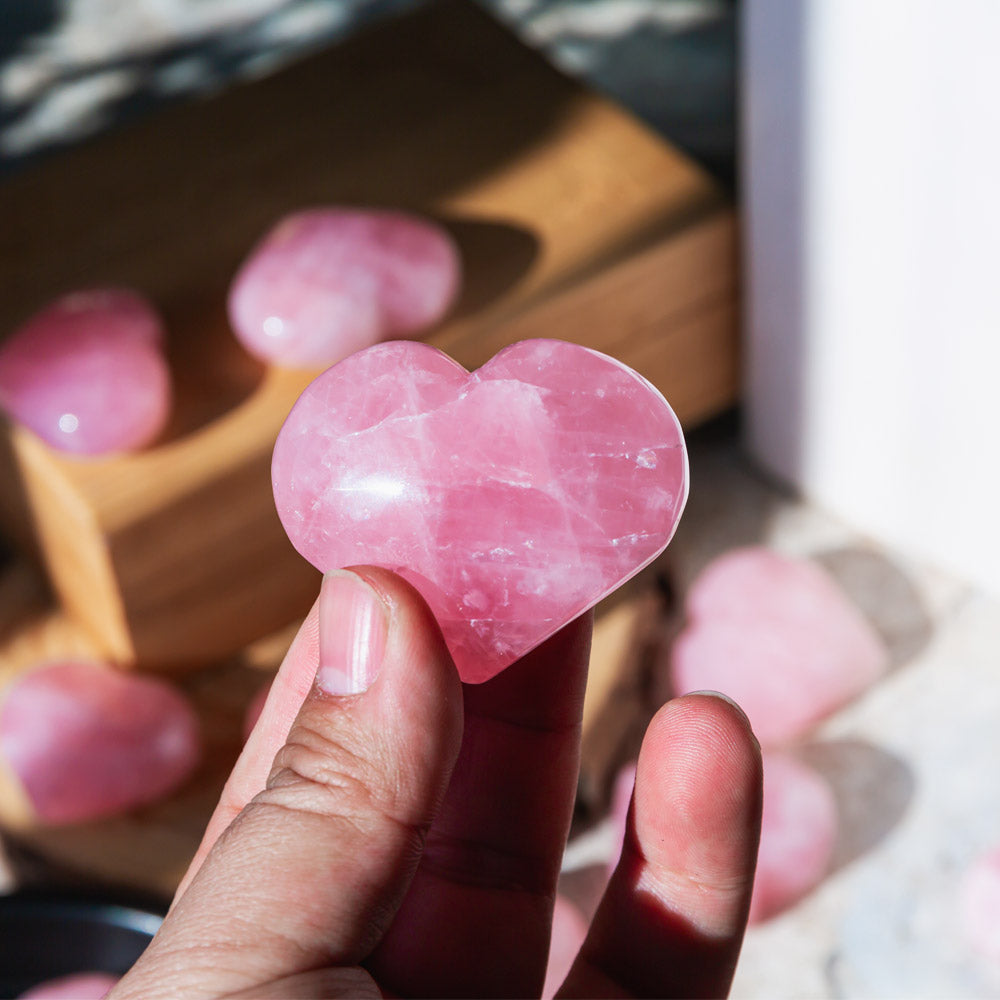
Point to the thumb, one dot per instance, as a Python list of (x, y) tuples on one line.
[(313, 869)]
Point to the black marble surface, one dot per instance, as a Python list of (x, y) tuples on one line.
[(71, 68)]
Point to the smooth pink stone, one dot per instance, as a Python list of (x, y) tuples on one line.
[(979, 905), (87, 373), (569, 930), (88, 741), (798, 833), (779, 637), (328, 282), (254, 708), (80, 986), (621, 802), (513, 498)]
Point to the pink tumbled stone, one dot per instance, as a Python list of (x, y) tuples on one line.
[(87, 373), (621, 802), (328, 282), (254, 708), (779, 637), (979, 903), (513, 498), (87, 741), (80, 986), (798, 833), (569, 929)]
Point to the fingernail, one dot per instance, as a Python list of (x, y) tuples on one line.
[(353, 626), (722, 697)]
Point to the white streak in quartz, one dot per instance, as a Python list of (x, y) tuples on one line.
[(529, 489)]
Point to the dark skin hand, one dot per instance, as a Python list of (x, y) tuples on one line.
[(407, 840)]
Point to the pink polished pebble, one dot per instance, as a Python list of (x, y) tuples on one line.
[(979, 905), (254, 708), (779, 637), (513, 498), (328, 282), (569, 929), (80, 986), (798, 833), (87, 373), (621, 802), (87, 741)]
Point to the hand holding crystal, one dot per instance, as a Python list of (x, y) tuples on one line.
[(391, 830)]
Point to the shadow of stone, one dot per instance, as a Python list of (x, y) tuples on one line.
[(885, 596), (872, 787), (495, 256), (730, 504), (211, 372)]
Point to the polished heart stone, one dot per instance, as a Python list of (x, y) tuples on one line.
[(513, 498), (979, 905), (569, 931), (79, 986), (85, 741), (778, 636), (87, 373), (797, 837), (328, 282)]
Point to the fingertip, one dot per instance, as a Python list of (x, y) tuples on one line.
[(697, 806)]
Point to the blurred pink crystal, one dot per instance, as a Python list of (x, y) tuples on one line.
[(779, 637), (79, 986), (254, 709), (798, 833), (328, 282), (87, 741), (979, 903), (569, 930), (513, 499), (621, 802), (87, 373)]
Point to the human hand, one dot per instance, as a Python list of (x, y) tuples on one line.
[(408, 839)]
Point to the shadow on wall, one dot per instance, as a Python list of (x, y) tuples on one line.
[(774, 169)]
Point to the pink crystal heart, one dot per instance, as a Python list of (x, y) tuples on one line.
[(87, 373), (330, 281), (512, 498), (86, 741), (797, 837), (780, 637)]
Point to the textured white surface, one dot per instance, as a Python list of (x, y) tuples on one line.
[(914, 762)]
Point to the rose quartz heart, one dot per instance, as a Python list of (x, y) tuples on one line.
[(798, 833), (979, 905), (621, 802), (80, 986), (87, 741), (254, 709), (87, 373), (328, 282), (513, 498), (779, 637), (569, 930)]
